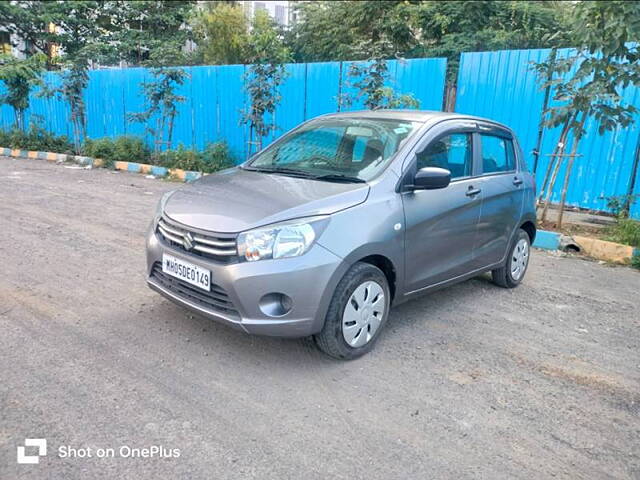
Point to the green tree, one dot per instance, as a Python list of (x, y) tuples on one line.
[(81, 30), (450, 28), (370, 77), (334, 30), (147, 32), (222, 34), (267, 54), (19, 78), (163, 105), (154, 34), (589, 83)]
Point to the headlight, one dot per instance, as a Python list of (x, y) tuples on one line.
[(162, 203), (282, 240)]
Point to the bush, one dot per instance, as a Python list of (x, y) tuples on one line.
[(215, 157), (122, 149), (35, 139), (99, 148), (625, 231), (130, 149), (182, 158)]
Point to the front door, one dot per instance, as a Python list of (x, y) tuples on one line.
[(441, 224)]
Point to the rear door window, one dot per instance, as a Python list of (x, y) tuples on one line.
[(498, 154)]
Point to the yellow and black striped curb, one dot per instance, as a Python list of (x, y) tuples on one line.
[(176, 173)]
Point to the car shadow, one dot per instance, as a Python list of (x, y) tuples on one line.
[(216, 337)]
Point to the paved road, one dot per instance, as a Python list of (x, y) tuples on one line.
[(470, 382)]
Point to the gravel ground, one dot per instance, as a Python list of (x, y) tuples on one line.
[(470, 382)]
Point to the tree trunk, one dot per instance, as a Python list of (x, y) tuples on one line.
[(170, 133), (76, 135), (552, 184), (157, 139), (554, 157), (19, 113), (567, 176)]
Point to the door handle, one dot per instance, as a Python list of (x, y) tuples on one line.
[(517, 181), (472, 191)]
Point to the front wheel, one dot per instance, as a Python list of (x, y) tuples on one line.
[(512, 272), (357, 313)]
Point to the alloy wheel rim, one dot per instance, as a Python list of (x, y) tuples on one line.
[(519, 259), (363, 314)]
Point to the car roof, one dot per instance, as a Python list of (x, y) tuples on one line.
[(423, 116)]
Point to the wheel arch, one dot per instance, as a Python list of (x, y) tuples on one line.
[(530, 228), (388, 268)]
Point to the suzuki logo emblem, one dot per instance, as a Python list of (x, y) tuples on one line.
[(187, 241)]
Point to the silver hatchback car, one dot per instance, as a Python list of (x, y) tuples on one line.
[(347, 214)]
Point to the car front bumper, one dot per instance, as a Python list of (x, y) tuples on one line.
[(308, 280)]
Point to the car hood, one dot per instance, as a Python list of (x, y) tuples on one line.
[(235, 200)]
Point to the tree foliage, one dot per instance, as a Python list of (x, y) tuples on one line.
[(19, 78), (267, 55), (162, 109), (150, 32), (334, 30), (370, 79), (588, 83), (222, 34), (80, 30)]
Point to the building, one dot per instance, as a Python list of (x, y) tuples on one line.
[(11, 44), (280, 11)]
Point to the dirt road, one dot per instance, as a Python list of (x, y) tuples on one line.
[(471, 382)]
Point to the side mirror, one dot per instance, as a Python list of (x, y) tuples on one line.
[(431, 178)]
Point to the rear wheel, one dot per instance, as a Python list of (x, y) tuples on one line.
[(357, 313), (515, 266)]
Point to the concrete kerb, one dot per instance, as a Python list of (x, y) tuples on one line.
[(174, 173)]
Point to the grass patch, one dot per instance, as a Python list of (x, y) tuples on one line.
[(625, 231)]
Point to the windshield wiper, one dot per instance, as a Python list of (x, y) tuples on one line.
[(285, 170), (328, 177), (338, 177)]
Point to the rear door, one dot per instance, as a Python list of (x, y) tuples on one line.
[(503, 194), (441, 224)]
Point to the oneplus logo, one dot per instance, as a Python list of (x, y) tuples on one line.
[(41, 443)]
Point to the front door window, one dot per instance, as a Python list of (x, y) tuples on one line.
[(452, 152)]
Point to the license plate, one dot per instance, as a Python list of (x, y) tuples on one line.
[(186, 271)]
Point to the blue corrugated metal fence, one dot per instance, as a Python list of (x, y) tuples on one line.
[(502, 86), (215, 97)]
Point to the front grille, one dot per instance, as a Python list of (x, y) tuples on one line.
[(216, 299), (217, 246)]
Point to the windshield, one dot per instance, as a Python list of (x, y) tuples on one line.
[(343, 149)]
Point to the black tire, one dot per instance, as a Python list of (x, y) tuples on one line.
[(502, 276), (331, 340)]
